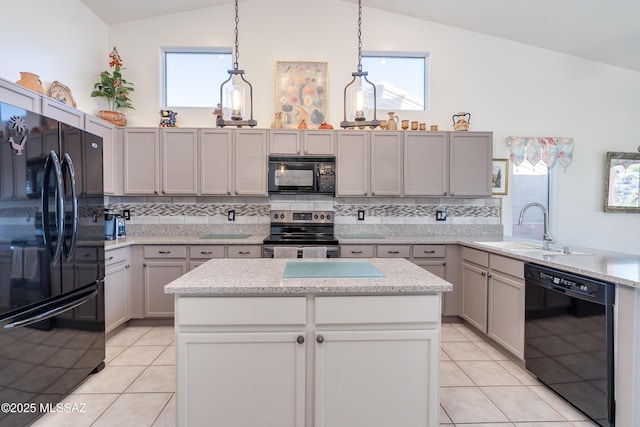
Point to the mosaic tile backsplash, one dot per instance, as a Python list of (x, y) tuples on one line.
[(394, 215)]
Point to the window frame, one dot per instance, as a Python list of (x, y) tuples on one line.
[(407, 54), (186, 49)]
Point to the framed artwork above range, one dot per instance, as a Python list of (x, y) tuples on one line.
[(301, 93)]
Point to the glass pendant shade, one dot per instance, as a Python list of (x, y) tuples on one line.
[(358, 96), (234, 102)]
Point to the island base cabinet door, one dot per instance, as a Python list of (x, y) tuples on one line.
[(377, 378), (245, 379)]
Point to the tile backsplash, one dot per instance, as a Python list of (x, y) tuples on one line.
[(252, 213)]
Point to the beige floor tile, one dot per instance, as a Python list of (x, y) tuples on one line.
[(159, 335), (556, 402), (521, 404), (493, 352), (443, 355), (167, 357), (155, 379), (545, 424), (464, 351), (112, 379), (452, 376), (90, 407), (584, 424), (167, 417), (468, 405), (450, 333), (444, 418), (128, 336), (138, 355), (134, 409), (112, 351), (487, 373), (524, 376), (485, 425), (467, 332)]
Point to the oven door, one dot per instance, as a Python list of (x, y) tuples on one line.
[(287, 176)]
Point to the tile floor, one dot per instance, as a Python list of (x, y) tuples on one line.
[(480, 387)]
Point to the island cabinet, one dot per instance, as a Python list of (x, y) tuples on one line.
[(291, 142), (308, 361), (493, 297), (162, 264)]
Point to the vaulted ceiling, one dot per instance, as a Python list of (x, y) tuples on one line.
[(607, 31)]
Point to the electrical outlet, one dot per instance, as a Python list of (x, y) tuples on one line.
[(126, 214), (231, 215), (361, 215), (441, 214)]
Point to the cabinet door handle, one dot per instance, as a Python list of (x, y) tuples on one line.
[(300, 339), (429, 252), (319, 339), (110, 258), (393, 252), (244, 252), (489, 275), (206, 252), (127, 266), (356, 252), (164, 252)]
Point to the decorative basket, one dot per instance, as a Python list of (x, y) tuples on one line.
[(114, 117)]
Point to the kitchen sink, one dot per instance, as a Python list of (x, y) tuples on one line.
[(225, 236), (530, 248)]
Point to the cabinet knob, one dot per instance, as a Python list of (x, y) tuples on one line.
[(127, 266), (444, 193), (300, 339), (483, 273), (489, 275), (110, 258), (319, 339)]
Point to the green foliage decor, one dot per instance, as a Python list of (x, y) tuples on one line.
[(112, 86)]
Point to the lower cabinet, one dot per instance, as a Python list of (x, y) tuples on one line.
[(117, 296), (162, 265), (356, 360), (493, 297)]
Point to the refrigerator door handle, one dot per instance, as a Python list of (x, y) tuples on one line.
[(53, 162), (45, 312), (68, 250)]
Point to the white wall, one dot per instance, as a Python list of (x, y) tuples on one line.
[(509, 88), (58, 40)]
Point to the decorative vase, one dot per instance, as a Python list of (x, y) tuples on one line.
[(114, 117), (31, 81)]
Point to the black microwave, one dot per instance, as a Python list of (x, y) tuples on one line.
[(302, 175)]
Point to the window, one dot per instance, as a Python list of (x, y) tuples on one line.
[(401, 80), (531, 184), (192, 77)]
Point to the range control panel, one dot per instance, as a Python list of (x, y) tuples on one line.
[(293, 217)]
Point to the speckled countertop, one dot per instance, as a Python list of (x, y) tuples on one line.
[(264, 276), (616, 267)]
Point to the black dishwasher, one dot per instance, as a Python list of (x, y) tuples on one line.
[(569, 338)]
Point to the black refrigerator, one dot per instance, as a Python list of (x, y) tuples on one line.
[(51, 262)]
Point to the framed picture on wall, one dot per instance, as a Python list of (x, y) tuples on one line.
[(301, 93), (500, 177)]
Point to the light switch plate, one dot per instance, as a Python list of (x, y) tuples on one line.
[(441, 214), (231, 215), (126, 214), (360, 215)]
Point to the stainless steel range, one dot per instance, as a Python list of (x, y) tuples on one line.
[(301, 229)]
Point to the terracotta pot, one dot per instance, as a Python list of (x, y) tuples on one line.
[(114, 117), (31, 81)]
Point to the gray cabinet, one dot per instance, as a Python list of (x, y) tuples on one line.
[(284, 142), (141, 161), (250, 151), (112, 139), (162, 265), (386, 163), (470, 163), (14, 94), (117, 293), (216, 162), (425, 164), (62, 112), (179, 161)]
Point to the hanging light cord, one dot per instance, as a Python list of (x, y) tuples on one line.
[(237, 54), (359, 35)]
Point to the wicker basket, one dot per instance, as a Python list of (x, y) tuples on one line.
[(113, 117)]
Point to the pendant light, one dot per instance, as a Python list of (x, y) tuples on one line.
[(233, 97), (358, 91)]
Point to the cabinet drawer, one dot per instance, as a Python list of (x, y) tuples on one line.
[(510, 266), (115, 256), (242, 311), (475, 256), (86, 254), (394, 251), (356, 251), (165, 251), (244, 251), (377, 309), (206, 251), (428, 251)]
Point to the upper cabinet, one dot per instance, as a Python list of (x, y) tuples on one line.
[(16, 95), (179, 161), (470, 163), (291, 142), (250, 155), (142, 161), (216, 162), (111, 151), (425, 164)]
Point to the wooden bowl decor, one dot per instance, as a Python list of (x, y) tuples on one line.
[(61, 93)]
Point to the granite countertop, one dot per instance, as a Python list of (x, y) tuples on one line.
[(616, 267), (264, 276)]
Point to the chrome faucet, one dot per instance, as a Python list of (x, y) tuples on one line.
[(547, 238)]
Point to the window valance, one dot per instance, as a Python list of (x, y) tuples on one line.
[(546, 149)]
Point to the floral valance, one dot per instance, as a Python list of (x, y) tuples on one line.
[(535, 149)]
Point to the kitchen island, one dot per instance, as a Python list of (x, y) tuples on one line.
[(308, 343)]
